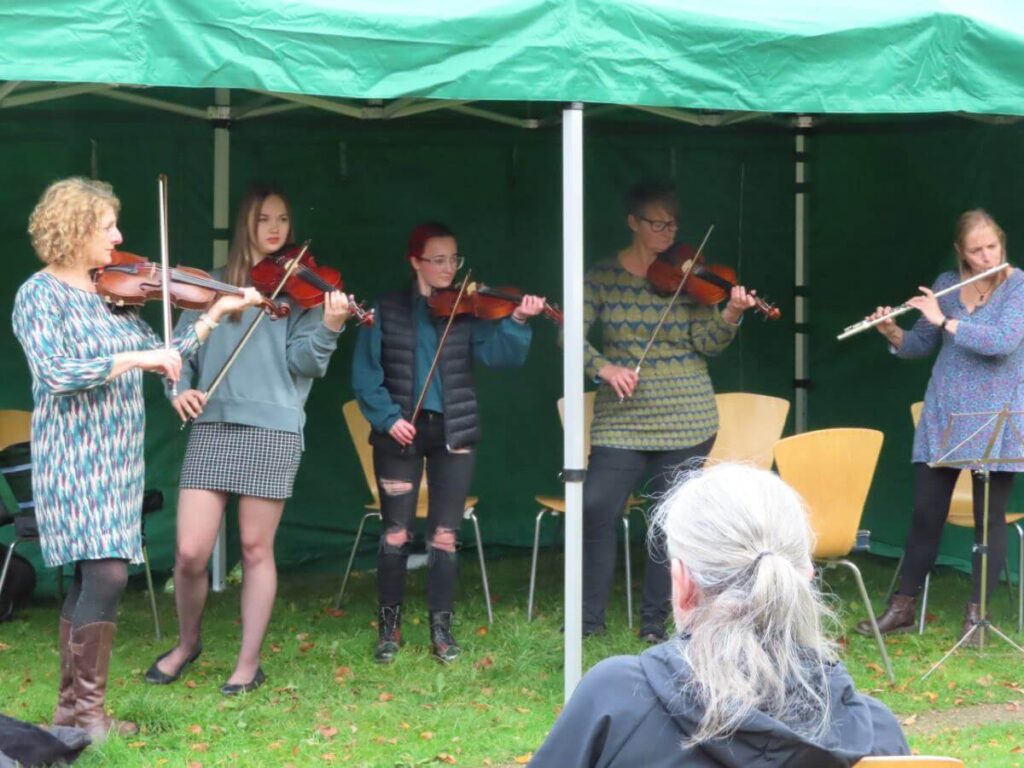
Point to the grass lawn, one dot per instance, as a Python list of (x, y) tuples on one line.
[(326, 703)]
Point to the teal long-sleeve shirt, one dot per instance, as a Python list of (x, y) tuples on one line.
[(496, 344)]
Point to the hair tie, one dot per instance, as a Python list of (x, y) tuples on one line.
[(759, 556)]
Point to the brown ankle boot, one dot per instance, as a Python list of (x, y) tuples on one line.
[(898, 617), (972, 615), (65, 712), (91, 646)]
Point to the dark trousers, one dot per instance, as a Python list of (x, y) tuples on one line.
[(933, 488), (612, 474), (448, 479)]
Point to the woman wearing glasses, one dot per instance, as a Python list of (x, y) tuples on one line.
[(644, 426), (390, 369)]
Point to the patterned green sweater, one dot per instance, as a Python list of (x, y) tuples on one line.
[(673, 406)]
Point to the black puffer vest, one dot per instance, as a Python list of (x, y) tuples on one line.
[(398, 359)]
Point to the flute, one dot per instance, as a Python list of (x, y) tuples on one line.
[(863, 325)]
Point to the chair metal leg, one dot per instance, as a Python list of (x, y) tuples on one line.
[(1020, 576), (629, 569), (152, 592), (533, 563), (871, 616), (7, 562), (924, 603), (895, 576), (352, 557), (471, 514)]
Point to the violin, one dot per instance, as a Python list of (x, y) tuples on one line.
[(132, 280), (308, 283), (484, 302), (707, 284)]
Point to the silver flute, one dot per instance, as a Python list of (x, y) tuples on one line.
[(863, 325)]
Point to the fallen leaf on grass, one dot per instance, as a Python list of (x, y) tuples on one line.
[(275, 648), (985, 681), (328, 757), (482, 631), (274, 745), (444, 757), (875, 667), (427, 735), (201, 746), (328, 732), (195, 728), (306, 646), (524, 759), (334, 613), (341, 674), (136, 744), (385, 696), (522, 710), (190, 683), (931, 696), (485, 663), (4, 647), (909, 721)]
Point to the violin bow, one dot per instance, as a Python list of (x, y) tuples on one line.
[(440, 346), (671, 303), (165, 288), (289, 271)]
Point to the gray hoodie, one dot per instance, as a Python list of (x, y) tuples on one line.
[(628, 711)]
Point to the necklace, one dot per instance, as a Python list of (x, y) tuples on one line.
[(982, 295)]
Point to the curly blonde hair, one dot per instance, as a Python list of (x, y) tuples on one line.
[(67, 215)]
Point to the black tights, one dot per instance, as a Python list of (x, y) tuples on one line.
[(95, 591), (933, 488)]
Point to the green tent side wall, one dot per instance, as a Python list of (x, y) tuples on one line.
[(884, 196)]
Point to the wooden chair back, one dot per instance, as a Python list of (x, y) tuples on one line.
[(748, 427), (832, 470)]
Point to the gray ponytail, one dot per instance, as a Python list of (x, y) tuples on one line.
[(754, 637)]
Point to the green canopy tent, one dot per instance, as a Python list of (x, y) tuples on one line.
[(367, 62)]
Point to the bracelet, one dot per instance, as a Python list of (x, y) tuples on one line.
[(942, 325), (208, 321), (516, 318)]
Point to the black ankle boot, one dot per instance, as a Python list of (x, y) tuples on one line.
[(442, 644), (389, 633)]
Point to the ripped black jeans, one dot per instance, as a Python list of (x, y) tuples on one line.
[(398, 474)]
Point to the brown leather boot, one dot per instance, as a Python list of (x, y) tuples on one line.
[(898, 617), (65, 712), (972, 615), (91, 646)]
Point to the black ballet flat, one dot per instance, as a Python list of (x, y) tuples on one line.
[(155, 676), (233, 689)]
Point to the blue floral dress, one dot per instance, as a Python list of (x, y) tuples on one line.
[(979, 370), (87, 432)]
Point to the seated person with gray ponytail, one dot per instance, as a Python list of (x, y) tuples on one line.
[(751, 678)]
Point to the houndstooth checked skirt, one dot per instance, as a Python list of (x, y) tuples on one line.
[(241, 459)]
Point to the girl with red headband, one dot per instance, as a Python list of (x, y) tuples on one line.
[(389, 373)]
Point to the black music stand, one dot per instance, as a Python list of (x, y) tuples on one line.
[(998, 421)]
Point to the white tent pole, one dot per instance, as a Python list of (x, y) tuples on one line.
[(801, 279), (572, 383), (221, 114)]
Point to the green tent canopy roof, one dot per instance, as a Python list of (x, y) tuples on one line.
[(783, 56)]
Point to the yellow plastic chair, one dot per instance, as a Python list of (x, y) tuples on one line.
[(832, 469), (748, 427), (909, 761), (555, 505), (16, 427), (359, 431), (961, 514)]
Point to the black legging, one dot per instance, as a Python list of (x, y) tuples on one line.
[(933, 488), (95, 591)]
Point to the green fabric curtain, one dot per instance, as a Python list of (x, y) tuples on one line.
[(785, 56)]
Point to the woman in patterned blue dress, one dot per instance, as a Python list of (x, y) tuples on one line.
[(87, 361), (980, 367)]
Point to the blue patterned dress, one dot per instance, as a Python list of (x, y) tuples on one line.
[(979, 369), (87, 432)]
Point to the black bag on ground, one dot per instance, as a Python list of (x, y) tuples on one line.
[(26, 745)]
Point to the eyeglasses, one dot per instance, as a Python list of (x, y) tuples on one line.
[(658, 225), (440, 262)]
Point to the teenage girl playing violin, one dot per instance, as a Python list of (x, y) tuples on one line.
[(246, 441), (87, 361), (391, 364), (644, 426)]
